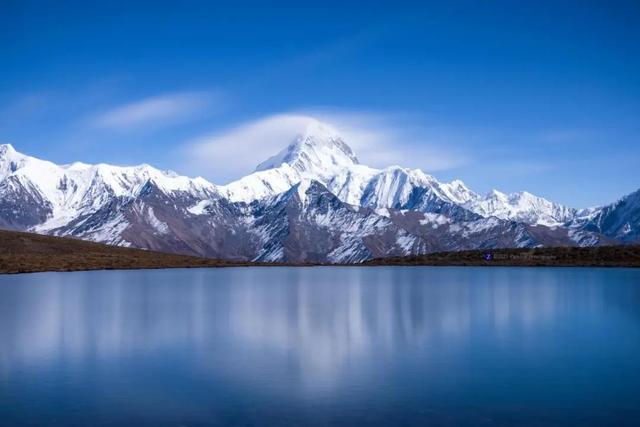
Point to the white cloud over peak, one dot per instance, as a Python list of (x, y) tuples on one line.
[(159, 110), (378, 140)]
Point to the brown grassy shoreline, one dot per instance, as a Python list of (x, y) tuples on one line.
[(602, 256), (30, 253)]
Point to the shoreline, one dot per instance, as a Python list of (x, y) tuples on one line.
[(622, 256), (22, 252)]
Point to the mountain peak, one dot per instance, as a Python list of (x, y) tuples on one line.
[(10, 159), (7, 149), (318, 148)]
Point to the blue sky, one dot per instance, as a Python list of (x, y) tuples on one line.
[(534, 96)]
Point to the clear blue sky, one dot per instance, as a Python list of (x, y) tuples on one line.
[(511, 95)]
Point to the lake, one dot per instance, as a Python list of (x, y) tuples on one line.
[(388, 346)]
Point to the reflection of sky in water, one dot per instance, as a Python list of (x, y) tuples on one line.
[(316, 333)]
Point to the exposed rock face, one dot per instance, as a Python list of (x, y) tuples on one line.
[(313, 201)]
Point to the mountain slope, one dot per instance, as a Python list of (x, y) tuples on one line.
[(310, 223), (521, 207), (619, 220)]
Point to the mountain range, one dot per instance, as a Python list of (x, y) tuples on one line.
[(311, 202)]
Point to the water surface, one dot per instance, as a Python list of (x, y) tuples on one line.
[(321, 346)]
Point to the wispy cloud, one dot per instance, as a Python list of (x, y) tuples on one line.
[(30, 106), (159, 110), (378, 140), (567, 135)]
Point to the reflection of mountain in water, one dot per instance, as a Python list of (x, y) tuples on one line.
[(323, 346), (321, 320)]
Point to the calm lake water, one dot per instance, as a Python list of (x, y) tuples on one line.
[(321, 346)]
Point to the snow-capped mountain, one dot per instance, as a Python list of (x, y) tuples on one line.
[(58, 195), (521, 207), (321, 154), (313, 201), (619, 220)]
